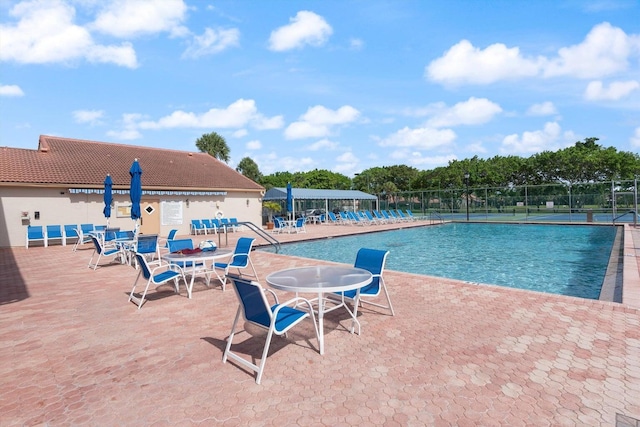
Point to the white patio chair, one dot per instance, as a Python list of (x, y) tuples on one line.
[(275, 319)]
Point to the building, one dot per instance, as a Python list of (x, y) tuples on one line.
[(62, 182)]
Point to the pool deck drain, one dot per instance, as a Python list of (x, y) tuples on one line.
[(74, 351)]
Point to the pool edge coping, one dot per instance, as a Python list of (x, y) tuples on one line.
[(630, 272)]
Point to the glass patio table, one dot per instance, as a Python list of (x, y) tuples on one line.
[(198, 261), (321, 279)]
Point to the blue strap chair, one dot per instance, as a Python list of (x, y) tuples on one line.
[(209, 226), (147, 245), (217, 225), (83, 236), (279, 224), (164, 243), (35, 233), (158, 276), (299, 226), (177, 245), (374, 261), (198, 227), (276, 319), (54, 232), (240, 259), (71, 232), (101, 251)]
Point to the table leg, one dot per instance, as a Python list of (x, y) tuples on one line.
[(193, 276), (321, 322)]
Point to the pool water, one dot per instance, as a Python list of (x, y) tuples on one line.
[(568, 260)]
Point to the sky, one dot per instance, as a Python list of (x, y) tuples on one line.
[(342, 85)]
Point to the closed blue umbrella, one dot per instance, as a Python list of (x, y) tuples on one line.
[(289, 198), (108, 197), (136, 189)]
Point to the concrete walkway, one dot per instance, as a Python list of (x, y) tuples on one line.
[(74, 351)]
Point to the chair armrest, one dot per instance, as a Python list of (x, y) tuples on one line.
[(295, 302), (275, 296)]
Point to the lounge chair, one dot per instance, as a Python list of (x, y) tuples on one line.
[(370, 217), (379, 217), (411, 216), (275, 319), (333, 219)]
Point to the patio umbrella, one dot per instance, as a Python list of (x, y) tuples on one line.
[(136, 190), (289, 198), (108, 197)]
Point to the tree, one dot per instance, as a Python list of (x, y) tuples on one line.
[(215, 145), (249, 168)]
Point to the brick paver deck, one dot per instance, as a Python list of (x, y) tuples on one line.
[(74, 351)]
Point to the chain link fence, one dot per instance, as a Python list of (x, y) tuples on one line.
[(605, 202)]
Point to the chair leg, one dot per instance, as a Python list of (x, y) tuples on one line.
[(263, 361), (233, 332), (386, 293)]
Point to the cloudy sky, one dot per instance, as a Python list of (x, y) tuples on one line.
[(340, 85)]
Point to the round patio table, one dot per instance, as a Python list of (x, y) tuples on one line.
[(321, 279), (202, 258)]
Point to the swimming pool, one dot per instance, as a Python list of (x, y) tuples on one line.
[(561, 259)]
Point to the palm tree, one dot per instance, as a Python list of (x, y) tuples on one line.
[(215, 145)]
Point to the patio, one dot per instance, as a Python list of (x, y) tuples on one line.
[(74, 351)]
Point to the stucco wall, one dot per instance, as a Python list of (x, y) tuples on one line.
[(57, 206)]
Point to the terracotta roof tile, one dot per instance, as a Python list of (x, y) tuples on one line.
[(85, 164)]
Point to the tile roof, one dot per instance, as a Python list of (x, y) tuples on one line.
[(85, 164)]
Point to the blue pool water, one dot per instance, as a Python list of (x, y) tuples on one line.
[(568, 260)]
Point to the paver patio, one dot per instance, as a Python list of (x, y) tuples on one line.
[(74, 351)]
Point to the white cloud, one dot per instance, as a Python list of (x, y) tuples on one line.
[(237, 115), (550, 138), (267, 123), (420, 138), (88, 116), (45, 33), (11, 90), (474, 111), (635, 139), (466, 64), (212, 42), (306, 28), (323, 144), (124, 135), (130, 18), (596, 91), (240, 133), (543, 109), (605, 50), (318, 121), (415, 158), (356, 44), (347, 157), (129, 124), (346, 163), (290, 164), (254, 145)]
